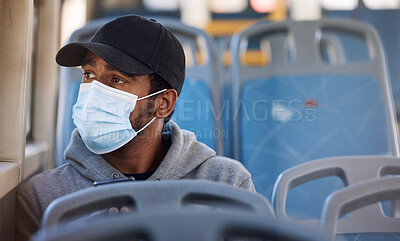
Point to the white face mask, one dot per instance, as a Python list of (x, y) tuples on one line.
[(101, 115)]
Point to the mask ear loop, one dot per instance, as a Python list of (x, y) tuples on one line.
[(155, 93), (146, 125)]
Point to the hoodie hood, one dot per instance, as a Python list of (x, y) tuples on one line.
[(184, 155)]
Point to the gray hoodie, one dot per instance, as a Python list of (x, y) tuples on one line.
[(185, 159)]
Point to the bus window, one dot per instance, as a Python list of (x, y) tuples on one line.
[(228, 6), (161, 5), (262, 6), (382, 4), (339, 4)]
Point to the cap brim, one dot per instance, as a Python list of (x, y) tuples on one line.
[(73, 54)]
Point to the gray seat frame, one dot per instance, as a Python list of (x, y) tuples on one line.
[(203, 226), (358, 196), (351, 169), (155, 197)]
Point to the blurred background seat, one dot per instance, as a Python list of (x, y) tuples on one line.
[(301, 106), (364, 222), (350, 170)]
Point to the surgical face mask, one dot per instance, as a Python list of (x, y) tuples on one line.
[(101, 115)]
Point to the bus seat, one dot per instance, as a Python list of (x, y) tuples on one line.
[(172, 226), (389, 34), (195, 107), (350, 169), (194, 112), (363, 221), (155, 197), (256, 57), (331, 52), (302, 107)]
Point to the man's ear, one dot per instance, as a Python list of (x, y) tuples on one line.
[(166, 100)]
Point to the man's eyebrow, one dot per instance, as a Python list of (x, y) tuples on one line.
[(89, 61), (111, 68)]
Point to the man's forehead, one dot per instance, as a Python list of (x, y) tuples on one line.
[(90, 59)]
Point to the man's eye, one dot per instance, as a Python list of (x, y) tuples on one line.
[(118, 80), (88, 75)]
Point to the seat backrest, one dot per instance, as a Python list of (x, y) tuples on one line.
[(155, 197), (195, 109), (351, 170), (301, 107), (356, 197), (331, 51), (389, 34), (200, 226)]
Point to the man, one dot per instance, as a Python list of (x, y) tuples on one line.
[(133, 71)]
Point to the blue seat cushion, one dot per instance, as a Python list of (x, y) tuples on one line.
[(288, 120), (71, 100), (194, 111)]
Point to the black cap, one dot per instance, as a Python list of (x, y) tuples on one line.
[(135, 45)]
